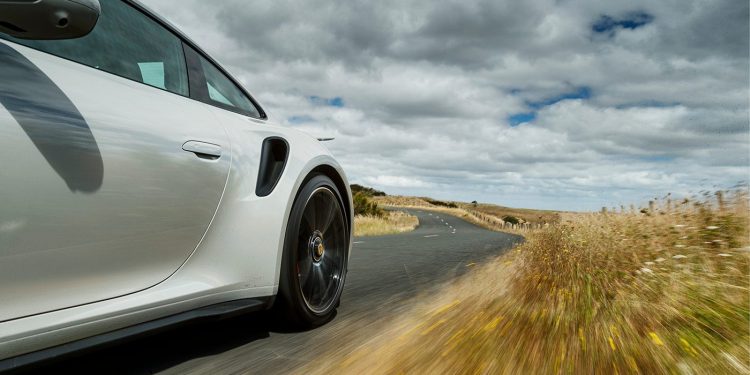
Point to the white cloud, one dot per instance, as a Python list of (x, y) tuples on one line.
[(428, 87), (396, 181)]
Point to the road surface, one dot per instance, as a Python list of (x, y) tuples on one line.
[(386, 273)]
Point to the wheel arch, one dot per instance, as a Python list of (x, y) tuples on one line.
[(341, 184)]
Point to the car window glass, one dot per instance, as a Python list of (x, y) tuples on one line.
[(127, 43), (223, 91)]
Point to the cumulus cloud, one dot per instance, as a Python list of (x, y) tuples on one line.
[(396, 181), (540, 103)]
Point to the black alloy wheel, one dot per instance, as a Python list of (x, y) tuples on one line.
[(315, 255)]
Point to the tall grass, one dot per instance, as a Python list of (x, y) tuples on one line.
[(390, 222), (664, 291)]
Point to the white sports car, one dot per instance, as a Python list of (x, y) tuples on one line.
[(142, 186)]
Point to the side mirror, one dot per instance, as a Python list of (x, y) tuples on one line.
[(48, 19)]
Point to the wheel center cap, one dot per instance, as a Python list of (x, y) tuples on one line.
[(320, 250), (316, 247)]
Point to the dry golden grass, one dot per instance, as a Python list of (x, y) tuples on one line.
[(481, 209), (478, 218), (608, 293), (528, 215), (391, 223), (401, 201)]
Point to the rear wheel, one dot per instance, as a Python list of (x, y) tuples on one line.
[(315, 254)]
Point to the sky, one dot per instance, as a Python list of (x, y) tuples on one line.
[(551, 104)]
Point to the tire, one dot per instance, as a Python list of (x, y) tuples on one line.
[(314, 262)]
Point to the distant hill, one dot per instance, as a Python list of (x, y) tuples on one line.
[(508, 214), (372, 197), (526, 215), (366, 190)]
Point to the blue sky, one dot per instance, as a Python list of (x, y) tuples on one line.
[(607, 24), (581, 93), (337, 101)]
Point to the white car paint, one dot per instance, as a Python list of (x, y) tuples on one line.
[(153, 206), (223, 242)]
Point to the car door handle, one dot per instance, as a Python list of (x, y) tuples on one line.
[(203, 150)]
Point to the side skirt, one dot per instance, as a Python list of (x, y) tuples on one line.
[(218, 311)]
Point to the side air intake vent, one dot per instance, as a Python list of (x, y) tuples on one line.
[(273, 158)]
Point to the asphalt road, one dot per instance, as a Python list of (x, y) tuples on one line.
[(386, 274)]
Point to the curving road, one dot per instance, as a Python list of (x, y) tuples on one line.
[(385, 273)]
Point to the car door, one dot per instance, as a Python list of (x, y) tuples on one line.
[(109, 173)]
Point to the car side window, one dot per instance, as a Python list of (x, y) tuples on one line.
[(212, 86), (127, 43)]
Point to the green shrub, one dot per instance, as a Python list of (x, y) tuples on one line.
[(511, 219), (440, 203), (364, 206), (367, 190)]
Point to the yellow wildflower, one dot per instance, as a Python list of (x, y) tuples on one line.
[(656, 339)]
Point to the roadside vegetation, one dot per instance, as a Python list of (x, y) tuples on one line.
[(517, 215), (365, 206), (371, 220), (493, 217), (659, 290), (391, 222), (366, 190)]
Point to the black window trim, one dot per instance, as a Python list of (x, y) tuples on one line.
[(137, 8), (191, 85), (188, 42), (197, 82)]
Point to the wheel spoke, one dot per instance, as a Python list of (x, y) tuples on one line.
[(311, 284), (325, 267), (307, 225), (329, 269), (333, 258), (304, 269), (310, 215), (331, 217), (306, 273), (320, 285), (321, 211)]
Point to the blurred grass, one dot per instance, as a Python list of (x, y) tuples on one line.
[(665, 290), (391, 222)]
